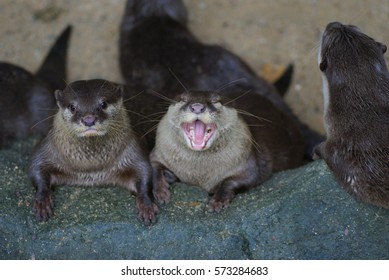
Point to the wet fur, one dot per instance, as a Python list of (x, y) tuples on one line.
[(356, 94)]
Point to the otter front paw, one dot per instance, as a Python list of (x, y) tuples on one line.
[(43, 207), (147, 210), (161, 192), (220, 201)]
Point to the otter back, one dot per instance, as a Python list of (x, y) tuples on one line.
[(356, 90)]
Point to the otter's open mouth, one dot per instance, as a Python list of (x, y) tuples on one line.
[(199, 133)]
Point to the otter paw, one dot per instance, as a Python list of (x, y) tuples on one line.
[(216, 205), (43, 208), (147, 211), (162, 193)]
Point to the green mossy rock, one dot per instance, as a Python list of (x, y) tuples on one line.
[(298, 214)]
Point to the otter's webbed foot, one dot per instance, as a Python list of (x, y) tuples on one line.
[(147, 210), (43, 206)]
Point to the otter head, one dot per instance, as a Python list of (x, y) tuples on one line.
[(350, 62), (199, 119), (345, 49), (89, 108)]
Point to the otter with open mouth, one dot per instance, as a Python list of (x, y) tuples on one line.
[(356, 112), (221, 145), (155, 42), (92, 143)]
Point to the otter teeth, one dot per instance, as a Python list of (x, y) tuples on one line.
[(198, 133)]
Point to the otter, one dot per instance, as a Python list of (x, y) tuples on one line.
[(156, 44), (222, 145), (91, 143), (26, 100), (356, 112)]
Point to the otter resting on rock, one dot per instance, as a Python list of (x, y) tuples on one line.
[(91, 143), (356, 112), (221, 145)]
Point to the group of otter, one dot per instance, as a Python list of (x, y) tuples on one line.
[(198, 114)]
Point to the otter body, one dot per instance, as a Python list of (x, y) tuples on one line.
[(26, 99), (225, 138), (356, 112), (203, 142), (91, 143), (156, 45)]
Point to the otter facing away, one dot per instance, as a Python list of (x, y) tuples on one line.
[(91, 143), (356, 112)]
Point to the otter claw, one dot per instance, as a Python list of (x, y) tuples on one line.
[(218, 205), (147, 212), (43, 208)]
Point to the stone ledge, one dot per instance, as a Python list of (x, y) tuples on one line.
[(298, 214)]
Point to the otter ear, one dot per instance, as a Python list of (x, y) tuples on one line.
[(59, 96), (323, 65), (120, 90)]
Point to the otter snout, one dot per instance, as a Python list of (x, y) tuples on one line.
[(197, 108), (89, 120)]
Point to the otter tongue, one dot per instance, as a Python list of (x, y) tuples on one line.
[(199, 131)]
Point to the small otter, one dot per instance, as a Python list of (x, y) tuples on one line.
[(155, 41), (223, 145), (91, 143), (26, 99), (356, 112)]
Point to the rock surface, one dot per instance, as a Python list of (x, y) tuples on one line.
[(297, 214)]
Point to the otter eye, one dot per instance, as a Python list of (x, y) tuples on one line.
[(103, 105), (184, 98), (215, 100), (323, 65), (72, 108)]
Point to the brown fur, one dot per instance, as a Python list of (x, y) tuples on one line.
[(356, 95), (236, 158), (91, 143)]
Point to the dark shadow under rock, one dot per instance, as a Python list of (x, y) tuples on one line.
[(298, 214)]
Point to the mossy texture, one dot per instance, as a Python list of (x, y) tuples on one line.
[(298, 214)]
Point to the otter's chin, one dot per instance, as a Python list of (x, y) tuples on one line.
[(91, 132), (198, 134)]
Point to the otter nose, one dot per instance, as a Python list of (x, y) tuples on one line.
[(197, 108), (89, 120)]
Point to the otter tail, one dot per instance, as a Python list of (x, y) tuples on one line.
[(137, 10), (53, 68), (283, 83)]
